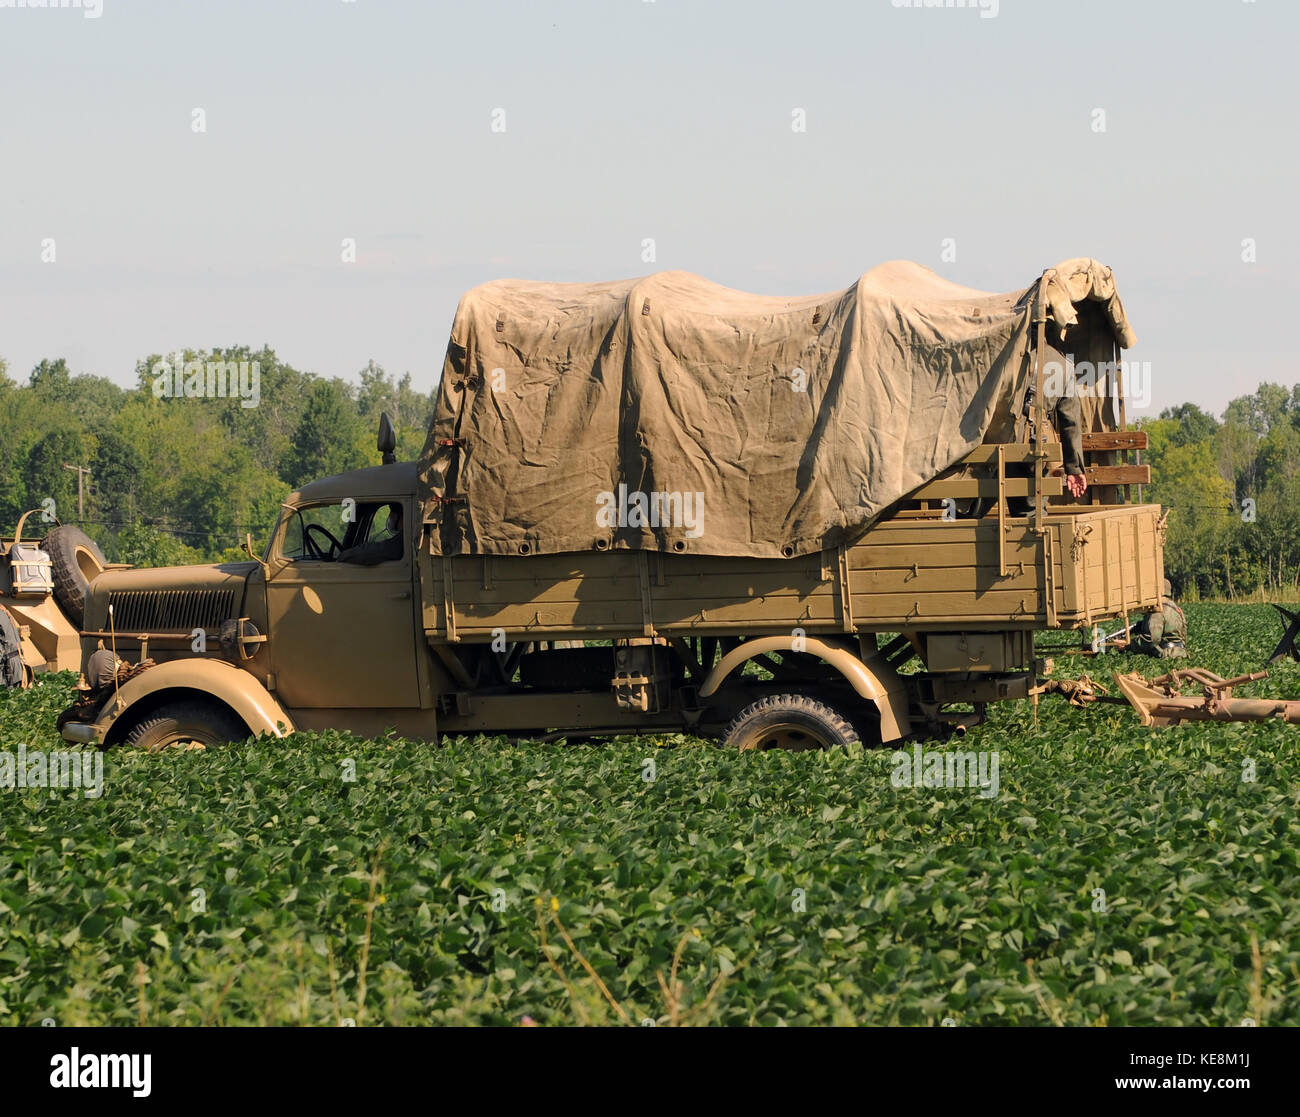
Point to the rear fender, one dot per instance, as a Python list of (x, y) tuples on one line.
[(876, 681)]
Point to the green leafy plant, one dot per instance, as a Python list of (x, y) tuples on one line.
[(1121, 876)]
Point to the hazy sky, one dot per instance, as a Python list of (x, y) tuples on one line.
[(626, 120)]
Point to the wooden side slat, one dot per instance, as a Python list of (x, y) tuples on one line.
[(976, 580), (1116, 440), (784, 612), (998, 605), (904, 555), (1118, 474), (964, 488), (1013, 452)]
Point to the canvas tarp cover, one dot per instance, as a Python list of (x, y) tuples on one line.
[(669, 413)]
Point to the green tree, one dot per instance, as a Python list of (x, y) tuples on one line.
[(51, 380), (410, 411), (327, 438), (115, 475), (1186, 480), (143, 545), (1194, 425), (23, 422), (45, 476), (267, 429), (1262, 410)]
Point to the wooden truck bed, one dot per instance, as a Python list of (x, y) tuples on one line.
[(915, 572)]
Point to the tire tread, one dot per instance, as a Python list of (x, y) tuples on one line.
[(774, 707)]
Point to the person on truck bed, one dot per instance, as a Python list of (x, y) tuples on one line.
[(387, 549), (1064, 416), (1064, 412)]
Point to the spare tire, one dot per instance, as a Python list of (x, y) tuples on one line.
[(12, 671), (76, 561)]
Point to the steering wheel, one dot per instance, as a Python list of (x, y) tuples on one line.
[(315, 550)]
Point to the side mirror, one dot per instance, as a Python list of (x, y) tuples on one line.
[(387, 440), (247, 548)]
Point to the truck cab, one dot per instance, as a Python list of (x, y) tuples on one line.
[(315, 631)]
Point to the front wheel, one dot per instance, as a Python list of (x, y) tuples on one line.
[(186, 725), (795, 722)]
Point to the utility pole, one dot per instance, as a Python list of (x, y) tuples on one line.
[(82, 472)]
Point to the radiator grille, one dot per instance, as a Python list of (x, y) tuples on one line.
[(171, 610)]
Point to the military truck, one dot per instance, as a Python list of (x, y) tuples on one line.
[(876, 561), (42, 599)]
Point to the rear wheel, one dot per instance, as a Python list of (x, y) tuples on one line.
[(796, 722), (190, 724)]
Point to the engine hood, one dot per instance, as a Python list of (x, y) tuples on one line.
[(172, 599)]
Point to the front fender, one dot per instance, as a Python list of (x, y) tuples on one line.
[(213, 677), (876, 682)]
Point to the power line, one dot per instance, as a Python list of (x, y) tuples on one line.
[(170, 530)]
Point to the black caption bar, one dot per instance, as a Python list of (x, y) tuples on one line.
[(338, 1065)]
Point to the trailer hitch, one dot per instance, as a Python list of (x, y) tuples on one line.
[(1161, 701), (1078, 692)]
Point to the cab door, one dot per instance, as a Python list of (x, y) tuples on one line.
[(342, 635)]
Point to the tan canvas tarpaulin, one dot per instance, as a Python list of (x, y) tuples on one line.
[(669, 413)]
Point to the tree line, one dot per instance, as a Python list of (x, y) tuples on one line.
[(176, 478), (1232, 485)]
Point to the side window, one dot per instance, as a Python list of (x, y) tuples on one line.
[(380, 524), (378, 535)]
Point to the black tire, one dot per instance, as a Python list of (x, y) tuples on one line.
[(13, 672), (76, 561), (179, 723), (796, 722)]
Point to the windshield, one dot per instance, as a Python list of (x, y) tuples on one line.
[(344, 531)]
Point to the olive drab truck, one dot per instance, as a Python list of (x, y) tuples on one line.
[(43, 589), (663, 505)]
